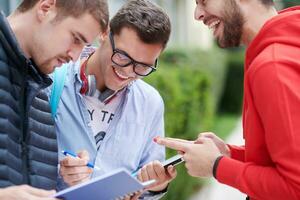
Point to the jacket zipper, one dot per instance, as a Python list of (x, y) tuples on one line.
[(27, 102), (25, 167)]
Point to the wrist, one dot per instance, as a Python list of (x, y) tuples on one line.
[(228, 151), (215, 165), (160, 190)]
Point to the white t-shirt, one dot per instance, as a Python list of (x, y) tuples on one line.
[(101, 115)]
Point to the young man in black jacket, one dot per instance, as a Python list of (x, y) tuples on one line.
[(39, 36)]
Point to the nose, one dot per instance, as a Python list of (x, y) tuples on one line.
[(74, 52), (199, 13)]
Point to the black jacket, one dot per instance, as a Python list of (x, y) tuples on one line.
[(28, 146)]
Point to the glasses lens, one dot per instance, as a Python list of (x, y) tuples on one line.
[(142, 69), (120, 59)]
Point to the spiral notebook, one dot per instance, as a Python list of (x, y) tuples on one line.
[(113, 185)]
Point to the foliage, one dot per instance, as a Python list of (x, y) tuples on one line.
[(190, 83), (289, 3), (231, 100), (224, 124)]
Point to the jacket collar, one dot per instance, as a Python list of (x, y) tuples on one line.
[(36, 75)]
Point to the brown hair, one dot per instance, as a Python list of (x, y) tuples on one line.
[(150, 22), (75, 8)]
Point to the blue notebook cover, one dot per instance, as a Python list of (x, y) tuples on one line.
[(110, 186)]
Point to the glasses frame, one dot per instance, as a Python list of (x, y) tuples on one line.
[(132, 61)]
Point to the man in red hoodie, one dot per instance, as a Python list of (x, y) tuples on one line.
[(268, 166)]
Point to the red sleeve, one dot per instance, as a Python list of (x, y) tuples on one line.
[(275, 90), (237, 152)]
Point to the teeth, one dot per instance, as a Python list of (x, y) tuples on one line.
[(120, 75), (213, 25)]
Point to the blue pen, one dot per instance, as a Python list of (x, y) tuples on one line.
[(134, 173), (69, 153)]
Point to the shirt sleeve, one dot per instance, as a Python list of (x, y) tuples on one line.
[(153, 151), (237, 152), (275, 88)]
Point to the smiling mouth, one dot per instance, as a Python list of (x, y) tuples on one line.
[(214, 25), (119, 75)]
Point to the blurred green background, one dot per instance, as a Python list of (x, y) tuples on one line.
[(202, 90)]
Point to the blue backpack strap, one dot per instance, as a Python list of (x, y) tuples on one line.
[(59, 77)]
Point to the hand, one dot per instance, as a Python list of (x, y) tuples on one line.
[(25, 192), (155, 170), (135, 196), (74, 170), (199, 157), (223, 148)]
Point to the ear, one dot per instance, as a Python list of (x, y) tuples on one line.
[(103, 35), (44, 7)]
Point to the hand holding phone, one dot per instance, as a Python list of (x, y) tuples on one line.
[(175, 160)]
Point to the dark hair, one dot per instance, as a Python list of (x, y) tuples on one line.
[(267, 2), (75, 8), (150, 22)]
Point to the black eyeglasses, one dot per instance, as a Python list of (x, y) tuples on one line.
[(122, 59)]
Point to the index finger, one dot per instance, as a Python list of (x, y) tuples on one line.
[(71, 162), (136, 196), (176, 144)]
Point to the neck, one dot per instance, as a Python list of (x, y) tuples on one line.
[(256, 17), (93, 67), (23, 31)]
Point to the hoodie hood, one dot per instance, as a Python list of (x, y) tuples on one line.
[(283, 28)]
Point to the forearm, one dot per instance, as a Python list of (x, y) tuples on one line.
[(259, 182)]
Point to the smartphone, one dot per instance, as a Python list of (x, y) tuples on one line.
[(175, 160)]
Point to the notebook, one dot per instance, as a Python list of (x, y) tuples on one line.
[(110, 186)]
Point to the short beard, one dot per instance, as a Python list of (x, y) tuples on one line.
[(233, 25)]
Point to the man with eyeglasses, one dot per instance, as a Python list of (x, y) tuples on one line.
[(105, 109)]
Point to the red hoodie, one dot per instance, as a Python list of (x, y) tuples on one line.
[(268, 166)]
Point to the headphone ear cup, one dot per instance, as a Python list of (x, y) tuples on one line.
[(91, 89), (84, 87)]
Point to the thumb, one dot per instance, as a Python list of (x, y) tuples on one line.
[(172, 172)]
